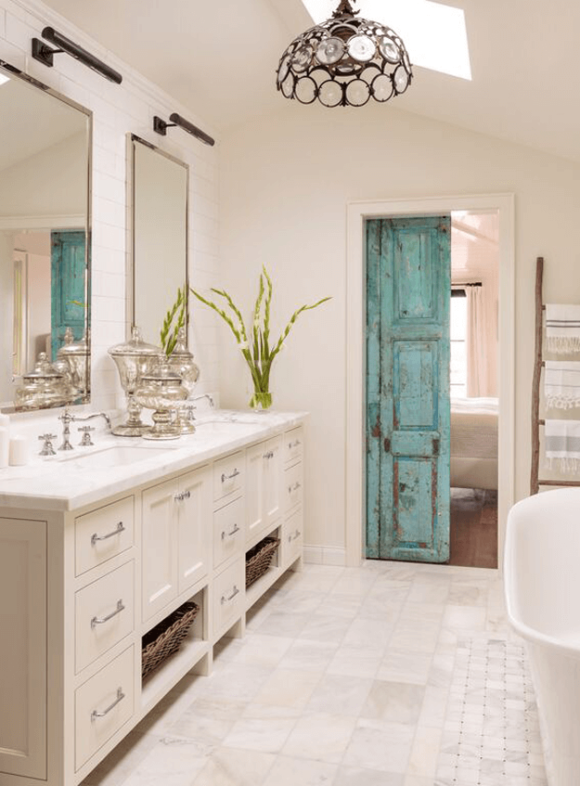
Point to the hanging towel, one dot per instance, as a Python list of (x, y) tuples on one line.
[(562, 384), (562, 328), (562, 445)]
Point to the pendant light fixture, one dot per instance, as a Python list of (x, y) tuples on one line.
[(345, 61)]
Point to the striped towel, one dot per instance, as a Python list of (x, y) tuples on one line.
[(562, 384), (562, 328), (562, 445)]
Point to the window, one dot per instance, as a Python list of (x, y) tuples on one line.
[(458, 335)]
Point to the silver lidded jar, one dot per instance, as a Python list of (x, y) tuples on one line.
[(134, 359), (163, 391), (181, 361), (42, 387)]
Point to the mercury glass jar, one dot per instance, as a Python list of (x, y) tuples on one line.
[(163, 391), (42, 387), (181, 361), (77, 355), (134, 359)]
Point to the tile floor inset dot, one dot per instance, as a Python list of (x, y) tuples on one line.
[(491, 734)]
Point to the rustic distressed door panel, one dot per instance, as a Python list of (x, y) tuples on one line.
[(408, 292)]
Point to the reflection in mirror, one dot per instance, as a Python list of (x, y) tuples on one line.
[(160, 187), (44, 253)]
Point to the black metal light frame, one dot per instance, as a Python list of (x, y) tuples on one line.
[(45, 55), (161, 126)]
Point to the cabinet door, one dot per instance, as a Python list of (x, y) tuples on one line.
[(255, 490), (23, 652), (160, 547), (195, 526), (272, 480)]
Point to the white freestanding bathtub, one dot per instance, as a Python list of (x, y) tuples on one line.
[(542, 589)]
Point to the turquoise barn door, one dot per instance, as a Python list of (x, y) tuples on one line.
[(407, 396), (68, 289)]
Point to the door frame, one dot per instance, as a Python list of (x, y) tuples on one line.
[(357, 213)]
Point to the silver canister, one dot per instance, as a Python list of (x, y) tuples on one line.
[(181, 361), (134, 359), (163, 391)]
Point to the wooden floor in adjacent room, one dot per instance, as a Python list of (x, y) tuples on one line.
[(473, 537)]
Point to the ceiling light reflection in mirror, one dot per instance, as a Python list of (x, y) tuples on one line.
[(4, 79), (435, 35)]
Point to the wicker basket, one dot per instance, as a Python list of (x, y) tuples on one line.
[(166, 637), (258, 559)]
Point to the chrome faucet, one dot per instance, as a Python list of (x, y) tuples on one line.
[(207, 396), (67, 419), (94, 415)]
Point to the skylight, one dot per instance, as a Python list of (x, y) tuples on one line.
[(434, 34)]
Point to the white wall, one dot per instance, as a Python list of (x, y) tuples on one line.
[(117, 111), (286, 180)]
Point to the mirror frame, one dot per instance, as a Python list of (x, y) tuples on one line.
[(14, 72), (133, 140)]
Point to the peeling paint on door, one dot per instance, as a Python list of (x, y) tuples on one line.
[(407, 469)]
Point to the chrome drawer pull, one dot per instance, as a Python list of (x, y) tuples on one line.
[(293, 444), (96, 714), (120, 528), (295, 487), (232, 596), (268, 455), (100, 620), (234, 474), (182, 496), (230, 534), (294, 537)]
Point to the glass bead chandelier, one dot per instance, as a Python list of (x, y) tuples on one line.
[(345, 61)]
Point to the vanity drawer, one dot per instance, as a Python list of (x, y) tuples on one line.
[(293, 537), (228, 531), (293, 486), (103, 533), (228, 597), (293, 444), (102, 705), (104, 614), (228, 475)]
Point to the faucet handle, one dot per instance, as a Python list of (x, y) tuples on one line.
[(47, 448), (86, 441), (66, 416)]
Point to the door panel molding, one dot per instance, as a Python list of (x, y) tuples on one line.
[(357, 213)]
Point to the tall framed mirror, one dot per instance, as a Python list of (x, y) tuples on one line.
[(45, 165), (160, 186)]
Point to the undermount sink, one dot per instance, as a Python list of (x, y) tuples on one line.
[(116, 456)]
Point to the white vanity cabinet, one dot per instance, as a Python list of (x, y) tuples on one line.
[(293, 495), (82, 583), (264, 488), (176, 540)]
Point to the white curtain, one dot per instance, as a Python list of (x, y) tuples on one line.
[(477, 345)]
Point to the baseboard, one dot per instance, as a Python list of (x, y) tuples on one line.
[(324, 555)]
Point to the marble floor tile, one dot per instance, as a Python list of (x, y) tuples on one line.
[(405, 666), (232, 767), (339, 695), (288, 771), (289, 688), (356, 661), (358, 776), (320, 737), (391, 674), (380, 745), (397, 702)]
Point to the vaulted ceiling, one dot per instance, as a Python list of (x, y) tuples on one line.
[(219, 58)]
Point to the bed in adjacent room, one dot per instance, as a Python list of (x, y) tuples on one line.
[(474, 432)]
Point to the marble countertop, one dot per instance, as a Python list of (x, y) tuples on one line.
[(69, 481)]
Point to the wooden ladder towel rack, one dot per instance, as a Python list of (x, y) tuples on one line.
[(535, 480)]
